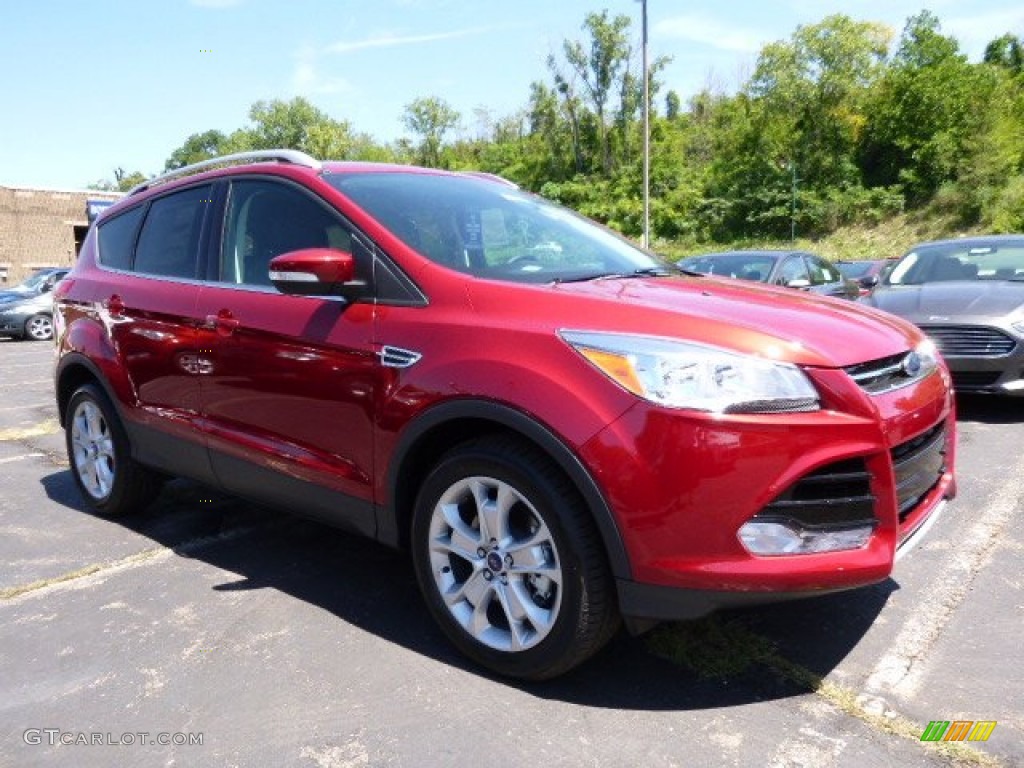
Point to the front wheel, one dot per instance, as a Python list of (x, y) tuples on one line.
[(101, 462), (39, 328), (509, 561)]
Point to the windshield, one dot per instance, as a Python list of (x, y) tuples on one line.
[(746, 266), (32, 283), (492, 230), (967, 260)]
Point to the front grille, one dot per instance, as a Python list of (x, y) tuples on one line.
[(970, 340), (882, 375), (918, 464), (836, 494), (965, 381)]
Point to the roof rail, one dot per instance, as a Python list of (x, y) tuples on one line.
[(293, 156)]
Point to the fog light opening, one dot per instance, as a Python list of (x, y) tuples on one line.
[(763, 537)]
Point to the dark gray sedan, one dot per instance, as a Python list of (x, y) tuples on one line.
[(968, 296), (794, 269), (28, 318)]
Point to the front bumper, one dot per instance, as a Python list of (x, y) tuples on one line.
[(682, 484)]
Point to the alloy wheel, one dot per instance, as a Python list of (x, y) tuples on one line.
[(495, 564)]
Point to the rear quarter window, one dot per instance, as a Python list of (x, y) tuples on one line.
[(117, 239)]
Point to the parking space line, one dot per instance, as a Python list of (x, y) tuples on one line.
[(20, 384), (900, 670), (26, 406), (754, 649), (74, 579), (22, 457), (48, 427)]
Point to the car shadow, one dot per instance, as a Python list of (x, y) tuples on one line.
[(989, 409), (732, 658)]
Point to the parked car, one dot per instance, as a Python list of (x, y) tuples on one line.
[(867, 272), (968, 296), (562, 428), (41, 281), (28, 318), (793, 269)]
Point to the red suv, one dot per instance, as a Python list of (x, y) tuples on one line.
[(561, 428)]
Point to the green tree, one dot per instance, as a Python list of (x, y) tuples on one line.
[(197, 147), (122, 181), (430, 119), (603, 68), (1006, 51), (927, 112)]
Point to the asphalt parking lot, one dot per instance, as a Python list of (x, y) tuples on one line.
[(276, 641)]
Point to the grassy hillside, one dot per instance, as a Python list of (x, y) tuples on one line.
[(889, 238)]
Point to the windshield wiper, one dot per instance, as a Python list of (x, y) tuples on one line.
[(642, 272)]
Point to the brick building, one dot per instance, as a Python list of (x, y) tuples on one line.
[(43, 227)]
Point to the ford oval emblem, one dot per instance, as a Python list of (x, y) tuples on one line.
[(911, 365)]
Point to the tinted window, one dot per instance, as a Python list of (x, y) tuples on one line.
[(169, 243), (117, 237), (266, 219)]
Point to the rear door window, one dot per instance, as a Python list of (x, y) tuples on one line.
[(117, 239), (169, 241)]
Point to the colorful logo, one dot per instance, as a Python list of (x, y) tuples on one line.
[(958, 730)]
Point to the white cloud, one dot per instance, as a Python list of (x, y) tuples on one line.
[(215, 3), (390, 41), (695, 28), (975, 32), (308, 80)]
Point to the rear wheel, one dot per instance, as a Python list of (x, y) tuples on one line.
[(101, 463), (509, 561), (39, 328)]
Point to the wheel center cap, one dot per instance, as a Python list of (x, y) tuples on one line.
[(494, 561)]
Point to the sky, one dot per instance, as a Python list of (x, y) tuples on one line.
[(88, 86)]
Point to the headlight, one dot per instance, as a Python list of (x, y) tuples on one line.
[(679, 374), (928, 355)]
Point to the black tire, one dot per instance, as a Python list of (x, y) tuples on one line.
[(109, 478), (39, 328), (578, 616)]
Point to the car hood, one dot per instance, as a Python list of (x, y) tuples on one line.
[(745, 317), (949, 301), (7, 296)]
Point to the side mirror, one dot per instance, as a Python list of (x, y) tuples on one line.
[(799, 283), (316, 272), (869, 281)]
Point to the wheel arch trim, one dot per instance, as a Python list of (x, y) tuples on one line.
[(391, 518)]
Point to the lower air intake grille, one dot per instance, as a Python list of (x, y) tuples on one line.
[(836, 494), (918, 463)]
